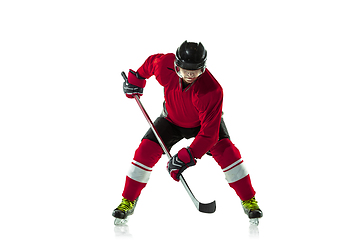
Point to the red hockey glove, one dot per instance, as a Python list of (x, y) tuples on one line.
[(181, 161), (134, 85)]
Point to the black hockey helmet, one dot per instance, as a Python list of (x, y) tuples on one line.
[(191, 56)]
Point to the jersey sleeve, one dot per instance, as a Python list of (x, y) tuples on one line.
[(210, 111), (150, 66)]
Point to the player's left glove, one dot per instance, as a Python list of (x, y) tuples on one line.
[(179, 162)]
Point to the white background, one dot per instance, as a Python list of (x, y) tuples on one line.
[(290, 73)]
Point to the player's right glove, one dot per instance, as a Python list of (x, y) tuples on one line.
[(134, 85)]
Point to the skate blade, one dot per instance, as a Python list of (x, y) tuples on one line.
[(254, 221), (119, 221)]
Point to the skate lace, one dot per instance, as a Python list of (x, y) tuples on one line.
[(126, 205), (250, 204)]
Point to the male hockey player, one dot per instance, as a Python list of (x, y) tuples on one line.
[(192, 109)]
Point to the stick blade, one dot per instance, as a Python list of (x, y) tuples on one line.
[(207, 207)]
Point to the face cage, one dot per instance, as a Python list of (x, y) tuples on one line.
[(177, 70)]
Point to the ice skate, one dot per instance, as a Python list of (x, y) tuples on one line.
[(123, 211), (252, 209)]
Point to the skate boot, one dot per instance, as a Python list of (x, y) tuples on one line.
[(125, 209), (252, 209)]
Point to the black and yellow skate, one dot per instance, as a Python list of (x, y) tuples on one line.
[(252, 209), (125, 209)]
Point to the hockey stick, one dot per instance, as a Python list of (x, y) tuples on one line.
[(202, 207)]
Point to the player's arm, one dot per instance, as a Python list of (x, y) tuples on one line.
[(137, 80), (210, 111)]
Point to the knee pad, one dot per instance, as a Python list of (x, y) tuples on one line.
[(225, 153), (148, 153), (146, 156), (229, 159)]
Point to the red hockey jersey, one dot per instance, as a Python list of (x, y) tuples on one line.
[(199, 104)]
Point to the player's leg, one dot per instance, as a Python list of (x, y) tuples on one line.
[(228, 156), (146, 156), (229, 159)]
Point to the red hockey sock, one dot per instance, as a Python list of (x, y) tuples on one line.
[(229, 159), (132, 189), (243, 188), (146, 156)]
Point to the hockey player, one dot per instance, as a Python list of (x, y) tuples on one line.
[(192, 109)]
